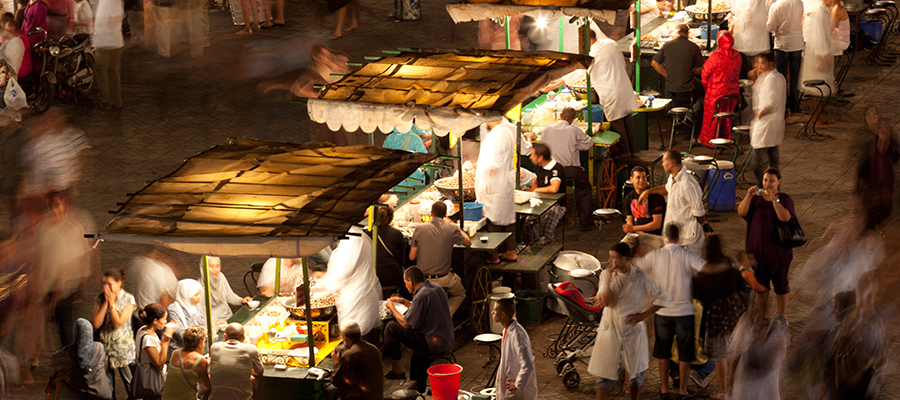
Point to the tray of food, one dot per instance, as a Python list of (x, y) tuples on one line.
[(700, 11), (321, 307), (449, 186)]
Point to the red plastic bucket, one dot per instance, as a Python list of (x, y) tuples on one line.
[(445, 381)]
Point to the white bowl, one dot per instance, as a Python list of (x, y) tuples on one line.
[(253, 304)]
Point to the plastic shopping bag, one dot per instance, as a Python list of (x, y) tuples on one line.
[(14, 97)]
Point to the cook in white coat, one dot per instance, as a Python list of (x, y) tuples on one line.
[(495, 183), (609, 78), (629, 296), (767, 125), (352, 275), (516, 378), (750, 34)]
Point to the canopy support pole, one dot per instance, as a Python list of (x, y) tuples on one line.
[(459, 170), (589, 111), (310, 338), (709, 26), (506, 27), (637, 50), (277, 277), (209, 321)]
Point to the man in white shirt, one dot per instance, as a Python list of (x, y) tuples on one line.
[(628, 296), (516, 375), (13, 48), (153, 280), (673, 267), (233, 366), (565, 142), (786, 24), (767, 125), (495, 185), (609, 78), (685, 201)]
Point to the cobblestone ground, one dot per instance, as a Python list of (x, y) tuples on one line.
[(175, 108)]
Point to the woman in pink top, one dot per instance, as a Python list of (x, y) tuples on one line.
[(840, 26)]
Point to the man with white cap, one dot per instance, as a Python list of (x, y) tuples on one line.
[(358, 373)]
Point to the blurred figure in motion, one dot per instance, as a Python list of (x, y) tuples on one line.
[(63, 262), (84, 18), (324, 64), (109, 41), (13, 297), (12, 49), (154, 279), (758, 347), (60, 17), (492, 36), (875, 176)]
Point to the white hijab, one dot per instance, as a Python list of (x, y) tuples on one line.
[(186, 289)]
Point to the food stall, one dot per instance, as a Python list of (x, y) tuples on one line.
[(254, 198)]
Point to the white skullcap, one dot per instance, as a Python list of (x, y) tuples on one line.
[(350, 327)]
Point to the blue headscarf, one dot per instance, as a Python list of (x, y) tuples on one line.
[(84, 343)]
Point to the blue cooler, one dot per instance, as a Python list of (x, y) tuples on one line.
[(596, 114), (872, 28), (472, 211), (724, 189)]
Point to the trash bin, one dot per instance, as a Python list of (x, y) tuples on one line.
[(496, 327), (530, 305)]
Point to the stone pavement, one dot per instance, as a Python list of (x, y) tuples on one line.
[(175, 108)]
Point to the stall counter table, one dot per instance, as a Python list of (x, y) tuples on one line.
[(273, 383)]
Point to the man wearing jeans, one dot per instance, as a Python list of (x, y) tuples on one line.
[(785, 23), (673, 267)]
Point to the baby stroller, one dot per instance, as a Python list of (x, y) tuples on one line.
[(577, 334)]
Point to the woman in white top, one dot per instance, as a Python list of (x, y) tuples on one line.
[(153, 351), (840, 26), (185, 311), (221, 294)]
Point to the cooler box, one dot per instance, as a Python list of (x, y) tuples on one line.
[(872, 29), (724, 187)]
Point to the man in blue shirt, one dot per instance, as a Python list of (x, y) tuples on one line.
[(426, 328)]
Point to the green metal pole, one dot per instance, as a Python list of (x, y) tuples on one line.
[(277, 277), (462, 208), (506, 27), (561, 25), (375, 237), (209, 321), (637, 52), (311, 341)]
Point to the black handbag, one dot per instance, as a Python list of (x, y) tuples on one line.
[(147, 381), (790, 234)]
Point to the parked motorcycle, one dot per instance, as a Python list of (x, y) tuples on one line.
[(65, 64)]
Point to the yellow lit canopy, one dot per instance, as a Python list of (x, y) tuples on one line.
[(256, 198), (444, 90)]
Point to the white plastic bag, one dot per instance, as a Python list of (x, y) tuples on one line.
[(14, 97)]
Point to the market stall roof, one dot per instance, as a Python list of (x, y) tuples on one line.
[(258, 198), (598, 10), (444, 90)]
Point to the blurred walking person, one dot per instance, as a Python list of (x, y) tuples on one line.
[(767, 123), (109, 42)]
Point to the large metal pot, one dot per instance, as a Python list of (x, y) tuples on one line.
[(570, 266), (318, 313)]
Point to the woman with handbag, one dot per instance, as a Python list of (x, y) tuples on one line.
[(112, 317), (188, 367), (149, 375), (769, 214)]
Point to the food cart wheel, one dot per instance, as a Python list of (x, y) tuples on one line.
[(570, 377), (561, 362), (606, 187), (481, 289)]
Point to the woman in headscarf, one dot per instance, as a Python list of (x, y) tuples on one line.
[(221, 294), (83, 365), (185, 311), (721, 73)]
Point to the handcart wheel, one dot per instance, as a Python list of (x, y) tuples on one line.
[(561, 362), (606, 186), (481, 289), (570, 377)]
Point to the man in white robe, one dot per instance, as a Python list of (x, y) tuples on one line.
[(609, 78), (628, 296), (767, 125), (516, 377), (495, 184), (350, 273)]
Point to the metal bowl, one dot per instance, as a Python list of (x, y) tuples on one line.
[(453, 193), (318, 313), (699, 12)]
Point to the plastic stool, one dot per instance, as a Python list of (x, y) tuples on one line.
[(809, 130), (724, 144), (491, 340), (675, 112)]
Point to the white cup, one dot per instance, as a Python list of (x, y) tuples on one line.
[(253, 304)]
